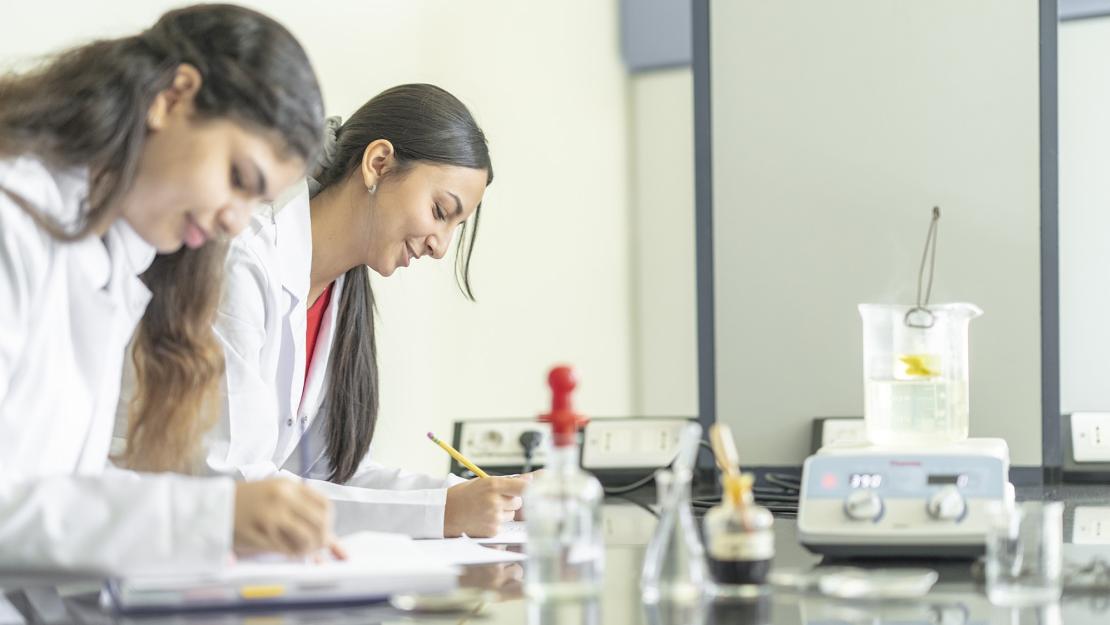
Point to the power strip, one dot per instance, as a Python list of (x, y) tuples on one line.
[(642, 443), (494, 444), (837, 431), (1091, 525), (1087, 458), (611, 447), (1090, 436)]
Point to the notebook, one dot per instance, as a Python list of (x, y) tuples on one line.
[(380, 565)]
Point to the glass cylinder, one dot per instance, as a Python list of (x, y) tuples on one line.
[(1024, 553)]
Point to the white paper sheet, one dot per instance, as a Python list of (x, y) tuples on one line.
[(379, 565), (511, 533), (463, 551)]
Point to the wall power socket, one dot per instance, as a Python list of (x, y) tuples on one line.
[(1091, 525), (608, 444), (634, 443), (1090, 436), (494, 444)]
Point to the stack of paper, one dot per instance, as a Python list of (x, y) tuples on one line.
[(380, 565)]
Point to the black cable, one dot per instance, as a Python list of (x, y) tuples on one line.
[(647, 479), (779, 494), (705, 445), (784, 481), (776, 508), (789, 485), (529, 440), (779, 498), (627, 488), (772, 490)]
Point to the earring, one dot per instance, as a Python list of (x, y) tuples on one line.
[(372, 188)]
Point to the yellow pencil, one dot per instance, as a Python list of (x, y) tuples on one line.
[(457, 456)]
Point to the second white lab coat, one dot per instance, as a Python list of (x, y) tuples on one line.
[(67, 311), (262, 323)]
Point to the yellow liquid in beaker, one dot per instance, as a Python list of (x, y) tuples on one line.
[(914, 412)]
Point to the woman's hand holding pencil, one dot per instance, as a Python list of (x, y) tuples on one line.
[(479, 506)]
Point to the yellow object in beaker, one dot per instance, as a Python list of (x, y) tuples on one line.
[(921, 365)]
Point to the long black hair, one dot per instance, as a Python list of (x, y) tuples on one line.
[(425, 124)]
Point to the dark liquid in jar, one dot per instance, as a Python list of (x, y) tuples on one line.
[(739, 571)]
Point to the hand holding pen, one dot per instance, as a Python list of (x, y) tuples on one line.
[(479, 506), (284, 516), (329, 540)]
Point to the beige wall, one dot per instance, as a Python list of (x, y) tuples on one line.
[(837, 126), (664, 302), (552, 266), (1084, 83)]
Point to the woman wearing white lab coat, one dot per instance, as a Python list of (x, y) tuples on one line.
[(109, 153), (400, 175)]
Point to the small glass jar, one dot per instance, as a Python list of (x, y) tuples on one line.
[(740, 541)]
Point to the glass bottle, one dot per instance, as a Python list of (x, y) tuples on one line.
[(740, 542), (562, 511)]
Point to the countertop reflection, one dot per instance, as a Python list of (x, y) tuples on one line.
[(957, 599)]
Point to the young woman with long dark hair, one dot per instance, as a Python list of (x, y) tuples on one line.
[(400, 177), (109, 153)]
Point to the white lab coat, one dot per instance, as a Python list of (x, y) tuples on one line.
[(67, 311), (262, 324)]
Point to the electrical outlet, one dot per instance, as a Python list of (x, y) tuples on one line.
[(1091, 525), (496, 443), (845, 431), (1090, 436), (632, 443), (607, 443)]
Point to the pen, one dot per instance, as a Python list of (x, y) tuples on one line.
[(457, 456)]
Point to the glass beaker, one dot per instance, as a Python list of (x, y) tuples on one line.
[(1024, 553), (915, 372), (674, 568)]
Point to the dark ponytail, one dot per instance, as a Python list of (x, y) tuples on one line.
[(425, 124)]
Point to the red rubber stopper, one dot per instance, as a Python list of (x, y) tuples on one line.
[(564, 421)]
